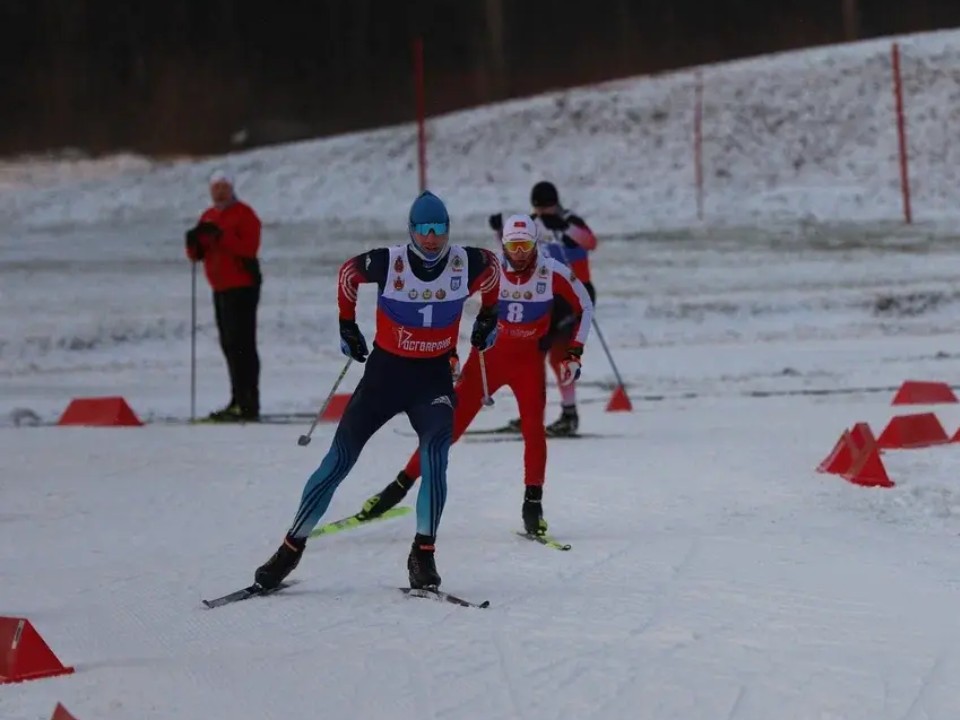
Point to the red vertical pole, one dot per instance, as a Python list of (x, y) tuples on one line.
[(421, 111), (698, 142), (901, 134)]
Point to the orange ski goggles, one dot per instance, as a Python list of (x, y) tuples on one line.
[(519, 245)]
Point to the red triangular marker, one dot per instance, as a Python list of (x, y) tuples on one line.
[(61, 713), (23, 653), (619, 402)]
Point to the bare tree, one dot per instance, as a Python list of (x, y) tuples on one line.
[(496, 65), (851, 19)]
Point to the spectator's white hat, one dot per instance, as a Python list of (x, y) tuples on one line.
[(221, 176)]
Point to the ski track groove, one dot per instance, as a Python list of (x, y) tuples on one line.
[(926, 680), (668, 588), (663, 591), (737, 702), (497, 640), (612, 697)]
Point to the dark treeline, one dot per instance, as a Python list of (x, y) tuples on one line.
[(189, 75)]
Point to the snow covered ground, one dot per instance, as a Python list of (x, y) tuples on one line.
[(714, 574)]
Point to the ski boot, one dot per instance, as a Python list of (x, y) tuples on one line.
[(229, 414), (282, 563), (250, 406), (514, 425), (421, 565), (533, 521), (377, 505), (566, 425)]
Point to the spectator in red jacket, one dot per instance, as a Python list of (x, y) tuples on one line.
[(227, 240)]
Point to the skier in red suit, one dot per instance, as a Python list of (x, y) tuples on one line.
[(530, 281), (566, 237)]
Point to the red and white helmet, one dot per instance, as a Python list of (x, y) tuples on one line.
[(519, 238), (518, 228)]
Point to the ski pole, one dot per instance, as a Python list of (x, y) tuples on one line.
[(487, 400), (193, 342), (304, 440), (596, 327)]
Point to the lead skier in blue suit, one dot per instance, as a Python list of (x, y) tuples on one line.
[(423, 285)]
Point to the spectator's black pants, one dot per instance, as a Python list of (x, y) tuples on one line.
[(236, 313)]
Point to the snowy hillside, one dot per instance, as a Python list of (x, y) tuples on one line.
[(808, 135)]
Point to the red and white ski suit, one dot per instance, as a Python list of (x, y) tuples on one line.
[(516, 361)]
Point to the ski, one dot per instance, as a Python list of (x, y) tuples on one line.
[(482, 437), (545, 540), (440, 596), (270, 419), (355, 521), (505, 434), (504, 430), (255, 590)]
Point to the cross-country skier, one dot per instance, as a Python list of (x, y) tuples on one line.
[(530, 282), (423, 286), (567, 238)]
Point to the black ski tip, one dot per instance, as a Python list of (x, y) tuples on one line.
[(246, 593)]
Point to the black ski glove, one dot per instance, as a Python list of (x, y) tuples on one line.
[(352, 342), (193, 245), (554, 222), (496, 222), (195, 235), (208, 228), (484, 333)]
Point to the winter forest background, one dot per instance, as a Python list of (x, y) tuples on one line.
[(194, 77)]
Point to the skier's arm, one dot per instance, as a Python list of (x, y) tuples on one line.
[(370, 267), (566, 286), (484, 276), (580, 233), (484, 271)]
